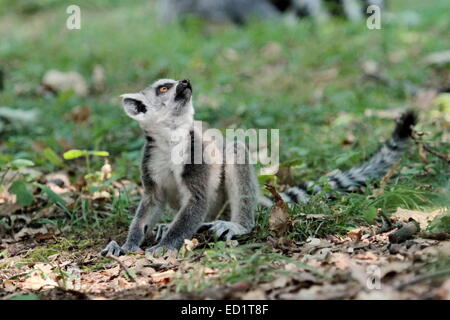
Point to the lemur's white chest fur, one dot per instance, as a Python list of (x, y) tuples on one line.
[(167, 171), (165, 176)]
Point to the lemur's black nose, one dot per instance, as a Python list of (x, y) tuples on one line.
[(184, 90), (186, 83)]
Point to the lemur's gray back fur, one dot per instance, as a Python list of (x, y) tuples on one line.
[(203, 191)]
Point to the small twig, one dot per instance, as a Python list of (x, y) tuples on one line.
[(388, 176), (197, 257), (385, 180), (384, 216), (132, 276), (2, 80), (279, 201), (417, 137), (3, 176), (405, 233), (386, 222), (424, 277)]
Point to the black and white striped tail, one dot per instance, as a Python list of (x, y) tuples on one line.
[(352, 179)]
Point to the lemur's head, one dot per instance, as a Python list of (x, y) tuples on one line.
[(166, 102)]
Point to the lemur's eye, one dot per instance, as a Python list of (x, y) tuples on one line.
[(163, 89)]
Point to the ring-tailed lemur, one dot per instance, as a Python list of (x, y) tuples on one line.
[(240, 11), (200, 190), (218, 11)]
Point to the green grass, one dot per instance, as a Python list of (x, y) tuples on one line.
[(311, 89), (250, 262)]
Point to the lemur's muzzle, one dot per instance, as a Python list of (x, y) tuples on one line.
[(183, 90)]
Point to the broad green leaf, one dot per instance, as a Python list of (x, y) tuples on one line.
[(292, 163), (5, 160), (52, 157), (99, 153), (74, 153), (21, 163), (443, 102), (24, 195), (264, 178)]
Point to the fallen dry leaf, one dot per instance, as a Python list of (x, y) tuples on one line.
[(142, 268), (42, 277), (355, 234), (30, 232), (279, 219), (383, 114), (190, 245), (257, 294), (272, 50), (112, 272), (98, 78), (394, 267), (444, 291), (368, 255), (209, 271), (280, 282), (340, 260), (7, 209), (312, 244), (230, 54), (59, 182), (165, 276), (438, 58), (79, 114), (370, 67), (10, 285), (385, 293), (323, 292), (106, 170), (65, 81), (358, 272), (45, 236), (424, 98), (168, 261), (422, 217), (100, 195)]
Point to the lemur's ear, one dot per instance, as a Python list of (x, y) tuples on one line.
[(134, 105)]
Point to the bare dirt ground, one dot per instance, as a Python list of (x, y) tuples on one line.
[(361, 265)]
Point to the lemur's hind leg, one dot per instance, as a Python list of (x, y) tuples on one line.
[(242, 190), (147, 214)]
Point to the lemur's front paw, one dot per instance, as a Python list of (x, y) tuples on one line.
[(160, 249), (114, 249), (226, 229), (131, 248)]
